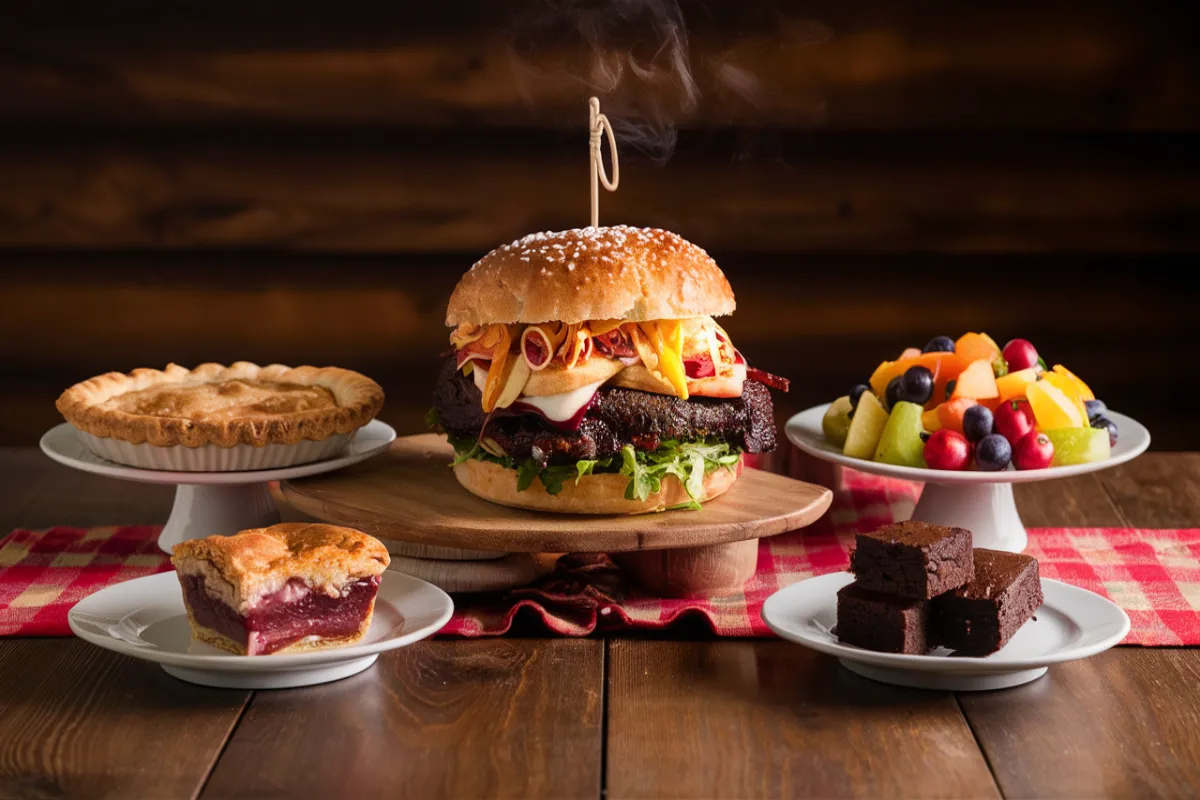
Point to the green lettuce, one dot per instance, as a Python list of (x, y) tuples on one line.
[(689, 462)]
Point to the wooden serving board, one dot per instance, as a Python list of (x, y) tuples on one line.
[(410, 494)]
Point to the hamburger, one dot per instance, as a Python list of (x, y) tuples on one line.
[(588, 375)]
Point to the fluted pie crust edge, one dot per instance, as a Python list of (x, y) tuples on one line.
[(358, 399)]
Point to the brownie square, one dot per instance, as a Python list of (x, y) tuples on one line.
[(913, 559), (878, 622), (980, 618)]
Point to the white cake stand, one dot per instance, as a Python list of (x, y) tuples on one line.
[(208, 503), (981, 502)]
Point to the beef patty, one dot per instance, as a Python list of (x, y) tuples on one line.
[(615, 418)]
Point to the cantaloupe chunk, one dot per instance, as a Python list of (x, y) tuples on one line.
[(910, 352), (1014, 383), (950, 413), (977, 381), (976, 346), (944, 366), (931, 421)]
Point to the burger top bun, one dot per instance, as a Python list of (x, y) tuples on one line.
[(633, 274)]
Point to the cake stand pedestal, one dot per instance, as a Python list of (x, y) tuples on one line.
[(208, 503), (410, 498), (981, 502)]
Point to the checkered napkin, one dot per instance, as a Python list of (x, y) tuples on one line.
[(1153, 574)]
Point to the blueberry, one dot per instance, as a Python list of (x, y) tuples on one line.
[(1095, 408), (1102, 422), (939, 344), (856, 393), (993, 453), (925, 435), (977, 423), (916, 385), (892, 395)]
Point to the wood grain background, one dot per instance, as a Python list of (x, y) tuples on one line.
[(215, 181)]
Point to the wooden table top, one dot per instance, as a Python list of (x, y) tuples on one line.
[(617, 717)]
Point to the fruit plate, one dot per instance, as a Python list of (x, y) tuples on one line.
[(1071, 624), (145, 618), (981, 502)]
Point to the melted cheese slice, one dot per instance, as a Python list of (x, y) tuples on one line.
[(556, 407)]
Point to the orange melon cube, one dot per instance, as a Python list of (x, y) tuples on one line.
[(977, 381), (976, 346), (950, 413), (931, 420), (944, 367)]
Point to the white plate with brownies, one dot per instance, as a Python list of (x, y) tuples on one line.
[(295, 604), (926, 609)]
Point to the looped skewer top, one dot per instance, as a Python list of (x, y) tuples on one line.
[(599, 127)]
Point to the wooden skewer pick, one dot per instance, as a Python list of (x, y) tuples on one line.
[(599, 126)]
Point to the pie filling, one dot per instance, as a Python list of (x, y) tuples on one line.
[(284, 617)]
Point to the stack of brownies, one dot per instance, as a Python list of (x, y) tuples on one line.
[(920, 586)]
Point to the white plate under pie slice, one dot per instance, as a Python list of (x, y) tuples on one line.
[(145, 618), (1071, 624)]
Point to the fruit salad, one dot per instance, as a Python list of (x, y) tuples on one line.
[(970, 404)]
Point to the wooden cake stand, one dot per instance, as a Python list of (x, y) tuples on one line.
[(409, 497)]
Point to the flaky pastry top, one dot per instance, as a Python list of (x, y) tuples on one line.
[(241, 568), (224, 406)]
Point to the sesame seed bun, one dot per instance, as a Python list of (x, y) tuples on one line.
[(635, 274), (593, 494)]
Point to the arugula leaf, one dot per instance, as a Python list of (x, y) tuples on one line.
[(526, 472), (583, 467), (689, 462)]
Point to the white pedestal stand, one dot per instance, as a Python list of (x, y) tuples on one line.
[(981, 502), (208, 503)]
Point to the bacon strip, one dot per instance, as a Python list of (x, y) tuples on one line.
[(774, 381)]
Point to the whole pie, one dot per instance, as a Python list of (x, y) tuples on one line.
[(222, 406), (292, 586)]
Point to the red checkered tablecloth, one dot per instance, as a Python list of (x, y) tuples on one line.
[(1153, 574)]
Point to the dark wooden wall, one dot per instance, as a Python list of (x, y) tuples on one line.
[(214, 181)]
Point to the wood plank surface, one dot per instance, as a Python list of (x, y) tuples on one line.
[(79, 721), (771, 719), (1162, 491), (409, 494), (860, 64), (1122, 724), (489, 718), (316, 191)]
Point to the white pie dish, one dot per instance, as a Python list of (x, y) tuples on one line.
[(213, 458), (145, 618), (1071, 624)]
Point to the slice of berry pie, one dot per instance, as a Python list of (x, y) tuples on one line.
[(286, 588)]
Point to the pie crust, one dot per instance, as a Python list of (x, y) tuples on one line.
[(223, 406)]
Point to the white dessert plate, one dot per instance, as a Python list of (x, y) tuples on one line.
[(208, 503), (1071, 624), (145, 618)]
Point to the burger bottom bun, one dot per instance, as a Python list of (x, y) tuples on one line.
[(594, 494)]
